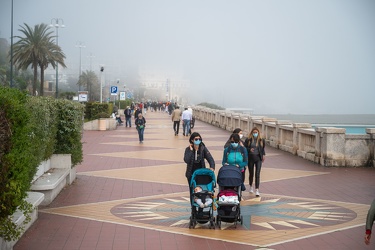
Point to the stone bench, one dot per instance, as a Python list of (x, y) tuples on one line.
[(35, 199), (52, 176)]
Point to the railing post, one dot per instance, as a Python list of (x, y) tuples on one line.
[(332, 146), (371, 131)]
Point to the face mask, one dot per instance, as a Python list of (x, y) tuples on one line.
[(197, 142), (255, 135), (234, 144), (241, 135)]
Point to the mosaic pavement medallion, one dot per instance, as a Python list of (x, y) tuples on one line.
[(267, 221)]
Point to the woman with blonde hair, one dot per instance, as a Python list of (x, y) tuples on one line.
[(255, 145)]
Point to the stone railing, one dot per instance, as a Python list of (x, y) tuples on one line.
[(328, 146)]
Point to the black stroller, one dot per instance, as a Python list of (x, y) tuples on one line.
[(230, 181), (205, 178)]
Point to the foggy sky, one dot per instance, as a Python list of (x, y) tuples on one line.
[(280, 56)]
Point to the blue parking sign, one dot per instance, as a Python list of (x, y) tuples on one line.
[(114, 90)]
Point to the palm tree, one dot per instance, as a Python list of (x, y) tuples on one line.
[(36, 48), (89, 80), (52, 55)]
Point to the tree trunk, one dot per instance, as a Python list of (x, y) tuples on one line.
[(42, 80), (35, 78)]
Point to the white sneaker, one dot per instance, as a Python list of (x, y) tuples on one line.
[(251, 190), (257, 192)]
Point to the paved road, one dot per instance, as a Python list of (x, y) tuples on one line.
[(134, 196)]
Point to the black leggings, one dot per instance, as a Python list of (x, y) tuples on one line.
[(258, 165)]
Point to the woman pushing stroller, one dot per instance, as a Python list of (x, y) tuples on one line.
[(195, 155), (201, 181)]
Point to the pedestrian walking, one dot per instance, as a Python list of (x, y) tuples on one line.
[(140, 123), (128, 117), (176, 117), (236, 155), (195, 155), (236, 131), (186, 118), (255, 145), (370, 222)]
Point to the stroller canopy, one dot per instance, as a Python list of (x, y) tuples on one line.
[(229, 176), (203, 177)]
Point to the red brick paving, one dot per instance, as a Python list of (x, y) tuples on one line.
[(352, 185)]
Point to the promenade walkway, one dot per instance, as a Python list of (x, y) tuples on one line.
[(134, 196)]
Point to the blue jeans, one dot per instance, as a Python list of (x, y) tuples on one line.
[(186, 127), (128, 121), (140, 133)]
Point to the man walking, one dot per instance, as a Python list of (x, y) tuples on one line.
[(186, 118), (128, 116), (176, 116)]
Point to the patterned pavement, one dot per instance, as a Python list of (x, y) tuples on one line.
[(134, 196)]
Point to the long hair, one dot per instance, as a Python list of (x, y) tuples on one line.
[(259, 139)]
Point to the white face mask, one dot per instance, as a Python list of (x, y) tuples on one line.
[(241, 135)]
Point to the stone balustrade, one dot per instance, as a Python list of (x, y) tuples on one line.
[(328, 146)]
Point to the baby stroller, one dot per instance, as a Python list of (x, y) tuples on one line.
[(205, 178), (229, 179)]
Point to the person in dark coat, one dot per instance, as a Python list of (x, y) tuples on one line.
[(195, 155), (255, 145)]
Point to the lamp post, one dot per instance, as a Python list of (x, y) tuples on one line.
[(57, 23), (101, 83), (80, 45), (11, 47), (91, 57)]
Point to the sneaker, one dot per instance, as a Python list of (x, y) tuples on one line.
[(257, 192), (251, 190)]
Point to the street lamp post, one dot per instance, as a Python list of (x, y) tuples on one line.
[(91, 57), (11, 48), (80, 45), (101, 83), (57, 23)]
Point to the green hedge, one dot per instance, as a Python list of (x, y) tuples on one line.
[(31, 130), (95, 110)]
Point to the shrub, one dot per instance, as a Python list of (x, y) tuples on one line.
[(69, 129), (93, 109), (31, 130), (18, 163)]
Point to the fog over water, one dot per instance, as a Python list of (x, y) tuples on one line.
[(276, 57)]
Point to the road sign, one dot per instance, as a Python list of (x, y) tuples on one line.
[(122, 96), (114, 90), (82, 96)]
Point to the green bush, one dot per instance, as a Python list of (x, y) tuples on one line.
[(210, 105), (44, 125), (18, 163), (69, 129), (93, 109), (31, 130)]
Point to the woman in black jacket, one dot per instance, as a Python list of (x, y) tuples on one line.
[(255, 145), (195, 156)]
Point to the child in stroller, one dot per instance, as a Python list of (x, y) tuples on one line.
[(230, 181), (206, 201), (202, 186)]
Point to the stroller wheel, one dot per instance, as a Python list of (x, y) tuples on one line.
[(212, 224), (218, 222), (241, 220)]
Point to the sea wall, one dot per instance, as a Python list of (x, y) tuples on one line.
[(328, 146)]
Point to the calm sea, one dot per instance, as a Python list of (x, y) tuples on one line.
[(354, 124)]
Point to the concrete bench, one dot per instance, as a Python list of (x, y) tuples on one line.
[(35, 199), (52, 176), (51, 183)]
